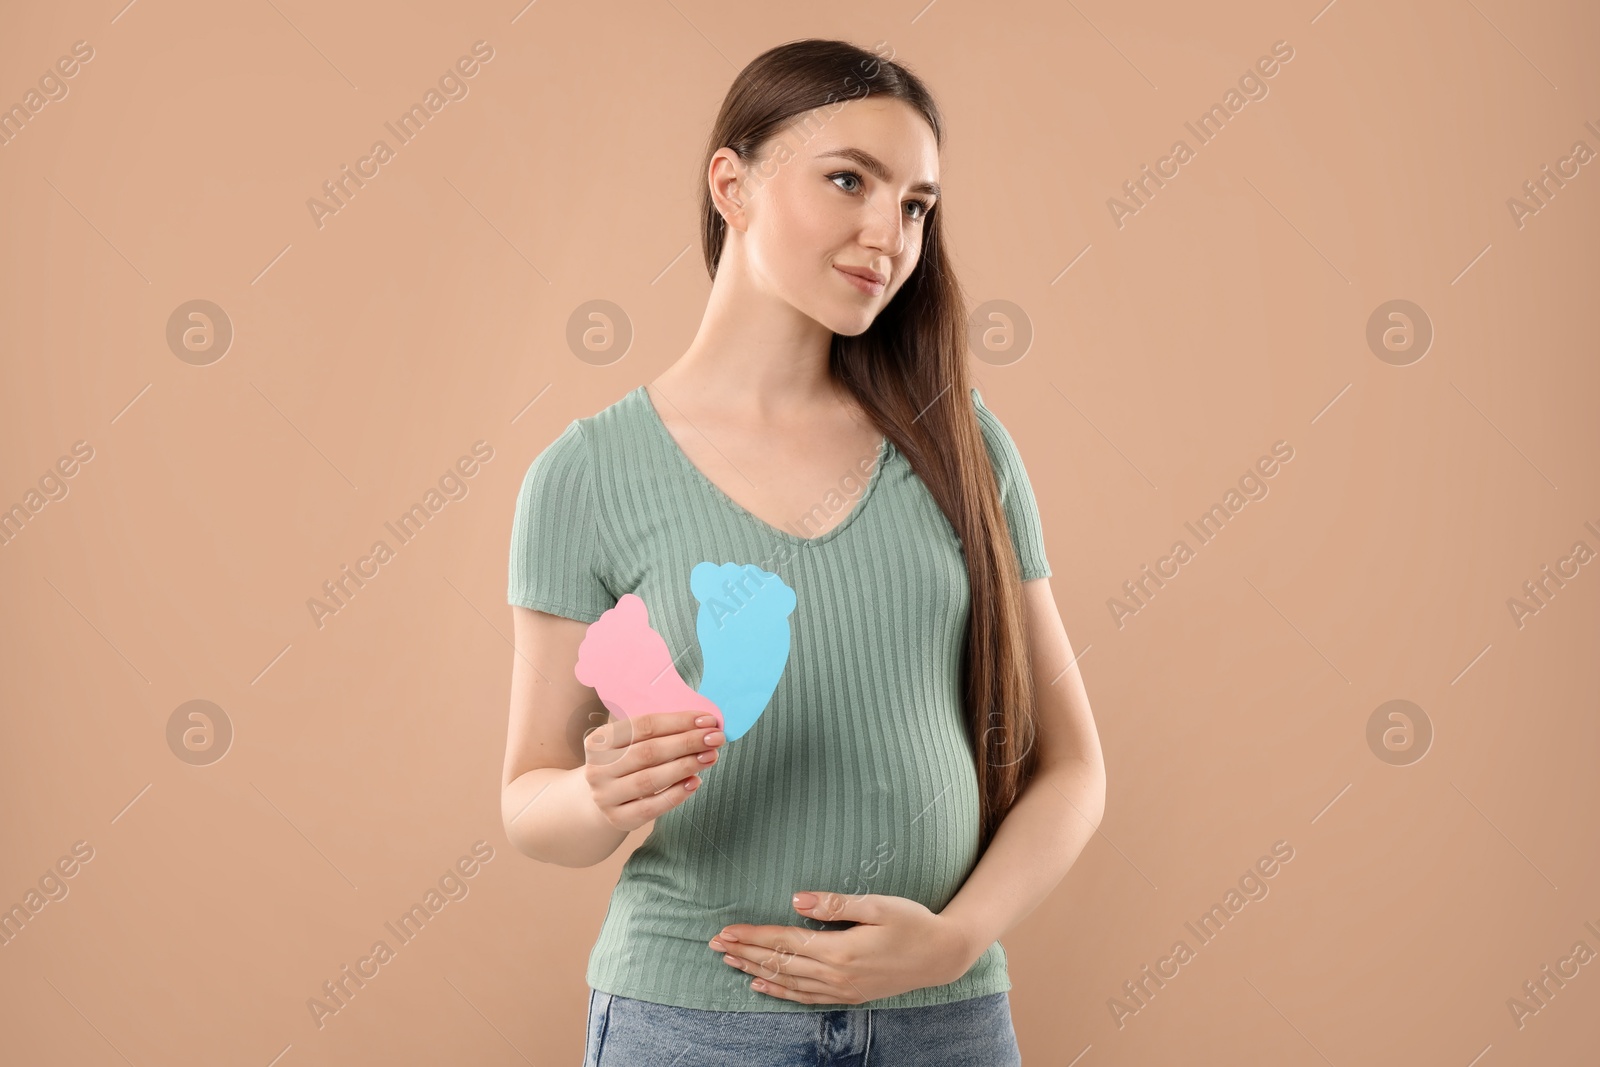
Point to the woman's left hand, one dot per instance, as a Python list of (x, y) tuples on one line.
[(899, 946)]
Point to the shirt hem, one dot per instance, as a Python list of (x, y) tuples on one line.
[(555, 608), (929, 996)]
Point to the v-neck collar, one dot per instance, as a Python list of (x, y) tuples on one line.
[(641, 396)]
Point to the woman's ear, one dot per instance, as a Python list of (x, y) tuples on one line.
[(726, 178)]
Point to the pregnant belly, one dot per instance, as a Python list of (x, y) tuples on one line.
[(898, 819)]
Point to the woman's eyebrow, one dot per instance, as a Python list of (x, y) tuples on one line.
[(875, 166)]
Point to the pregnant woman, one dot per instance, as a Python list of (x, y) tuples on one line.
[(830, 869)]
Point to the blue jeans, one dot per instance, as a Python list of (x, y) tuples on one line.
[(624, 1032)]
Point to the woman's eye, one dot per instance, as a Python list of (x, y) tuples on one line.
[(846, 174), (922, 206)]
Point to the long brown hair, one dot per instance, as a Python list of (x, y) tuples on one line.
[(908, 370)]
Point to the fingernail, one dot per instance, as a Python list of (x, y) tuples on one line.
[(714, 737), (805, 900), (705, 720), (718, 945), (729, 937)]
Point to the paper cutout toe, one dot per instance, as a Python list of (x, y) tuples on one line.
[(743, 626), (627, 663)]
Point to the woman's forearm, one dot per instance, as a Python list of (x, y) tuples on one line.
[(1032, 850), (550, 815)]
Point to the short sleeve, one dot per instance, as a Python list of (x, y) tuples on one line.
[(1016, 493), (557, 558)]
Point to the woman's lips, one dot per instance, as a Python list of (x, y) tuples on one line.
[(865, 285)]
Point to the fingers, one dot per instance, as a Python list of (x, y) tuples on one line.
[(612, 741), (777, 966), (644, 727), (806, 990), (656, 755), (652, 779), (663, 751), (638, 768), (628, 744), (635, 813), (782, 966), (644, 735)]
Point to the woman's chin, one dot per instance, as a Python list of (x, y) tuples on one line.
[(847, 322)]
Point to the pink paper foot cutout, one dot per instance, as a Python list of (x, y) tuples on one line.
[(627, 663)]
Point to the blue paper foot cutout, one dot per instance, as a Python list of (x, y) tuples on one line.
[(743, 626)]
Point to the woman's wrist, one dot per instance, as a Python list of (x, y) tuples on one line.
[(967, 943)]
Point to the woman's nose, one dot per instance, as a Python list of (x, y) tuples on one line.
[(883, 231)]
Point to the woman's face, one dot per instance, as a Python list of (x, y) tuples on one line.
[(837, 194)]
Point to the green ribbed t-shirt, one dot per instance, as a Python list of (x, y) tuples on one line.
[(858, 776)]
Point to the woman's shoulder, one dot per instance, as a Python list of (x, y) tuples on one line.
[(625, 409), (1004, 454), (584, 441), (995, 434)]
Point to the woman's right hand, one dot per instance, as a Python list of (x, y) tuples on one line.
[(639, 768)]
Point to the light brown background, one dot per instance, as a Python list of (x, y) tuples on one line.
[(432, 311)]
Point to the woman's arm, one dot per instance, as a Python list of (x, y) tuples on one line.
[(569, 797), (1045, 830), (545, 803)]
